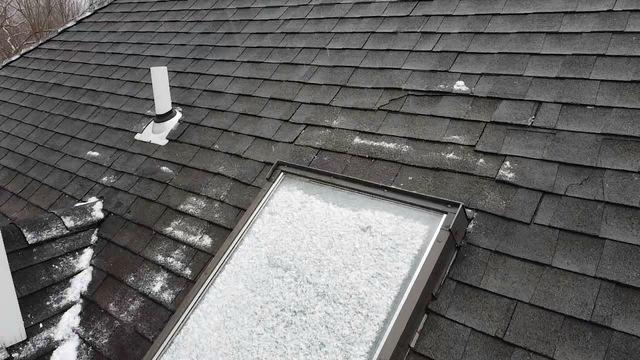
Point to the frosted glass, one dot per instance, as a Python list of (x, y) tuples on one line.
[(318, 274)]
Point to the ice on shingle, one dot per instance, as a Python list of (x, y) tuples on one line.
[(318, 275)]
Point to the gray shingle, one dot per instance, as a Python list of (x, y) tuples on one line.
[(621, 223), (470, 264), (480, 310), (576, 252), (623, 346), (435, 338), (620, 154), (618, 307), (584, 182), (317, 93), (580, 340), (357, 98), (483, 347), (534, 328), (566, 292), (620, 262), (570, 213), (429, 61), (529, 173), (511, 277), (597, 21)]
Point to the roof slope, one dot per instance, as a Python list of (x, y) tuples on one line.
[(525, 110), (49, 256)]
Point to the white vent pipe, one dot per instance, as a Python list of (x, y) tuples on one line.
[(161, 92)]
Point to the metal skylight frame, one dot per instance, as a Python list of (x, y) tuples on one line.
[(425, 283)]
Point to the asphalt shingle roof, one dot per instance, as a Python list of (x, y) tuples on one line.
[(542, 140)]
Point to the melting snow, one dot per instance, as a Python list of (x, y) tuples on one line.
[(96, 210), (85, 259), (394, 146), (79, 285), (68, 349), (80, 217), (451, 155), (460, 86), (129, 312), (176, 261), (109, 179), (506, 171), (192, 205), (187, 233), (93, 153), (166, 170), (472, 223), (456, 138), (68, 323)]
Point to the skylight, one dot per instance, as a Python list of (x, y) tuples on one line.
[(317, 271)]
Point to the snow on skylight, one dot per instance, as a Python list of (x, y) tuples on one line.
[(318, 275)]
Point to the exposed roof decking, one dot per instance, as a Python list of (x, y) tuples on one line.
[(544, 144)]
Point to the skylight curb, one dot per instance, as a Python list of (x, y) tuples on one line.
[(427, 277)]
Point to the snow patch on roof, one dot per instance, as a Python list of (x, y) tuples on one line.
[(187, 233), (68, 349), (455, 138), (129, 311), (506, 172), (155, 284), (96, 210), (451, 155), (79, 285), (176, 261), (108, 179), (205, 240), (65, 332), (93, 153), (82, 216), (166, 170), (85, 259), (389, 145), (192, 205), (460, 86), (68, 323)]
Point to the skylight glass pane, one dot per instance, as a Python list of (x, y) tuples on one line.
[(318, 274)]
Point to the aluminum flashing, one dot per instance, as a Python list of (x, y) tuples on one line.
[(321, 267)]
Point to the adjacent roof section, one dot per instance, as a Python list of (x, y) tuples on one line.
[(525, 110), (49, 257)]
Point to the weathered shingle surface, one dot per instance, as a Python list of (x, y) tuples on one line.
[(542, 139)]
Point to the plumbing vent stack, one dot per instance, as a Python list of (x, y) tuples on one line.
[(166, 116), (161, 93)]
